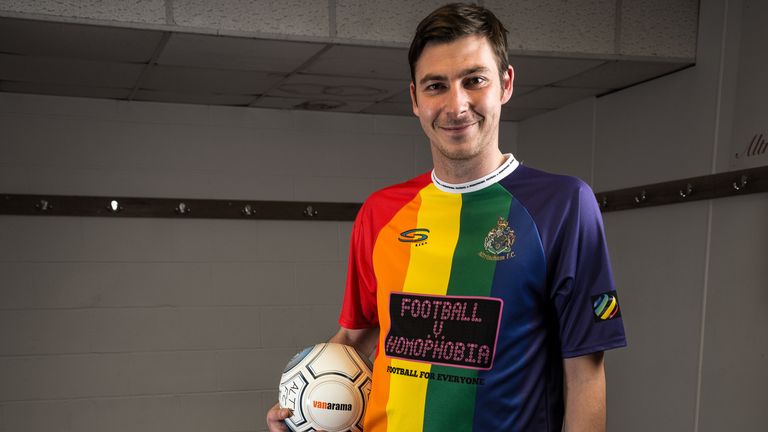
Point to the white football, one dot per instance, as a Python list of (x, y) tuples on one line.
[(327, 387)]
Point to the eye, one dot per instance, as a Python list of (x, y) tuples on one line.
[(433, 87), (475, 81)]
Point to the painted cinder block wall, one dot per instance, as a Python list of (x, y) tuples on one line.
[(124, 324), (692, 277)]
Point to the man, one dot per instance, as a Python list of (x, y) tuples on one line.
[(484, 287)]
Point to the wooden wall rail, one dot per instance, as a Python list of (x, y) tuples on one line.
[(61, 205), (721, 185), (713, 186)]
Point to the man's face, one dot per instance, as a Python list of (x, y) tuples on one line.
[(458, 95)]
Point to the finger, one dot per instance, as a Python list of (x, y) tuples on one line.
[(275, 417), (277, 427), (278, 413), (284, 413)]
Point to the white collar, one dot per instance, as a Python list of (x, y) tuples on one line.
[(475, 185)]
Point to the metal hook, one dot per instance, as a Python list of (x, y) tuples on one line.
[(114, 206), (44, 205), (742, 183), (641, 198), (310, 211), (247, 210), (685, 193), (183, 209), (604, 201)]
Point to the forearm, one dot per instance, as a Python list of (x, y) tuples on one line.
[(585, 395), (364, 340)]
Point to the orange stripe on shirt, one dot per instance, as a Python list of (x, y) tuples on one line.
[(391, 267)]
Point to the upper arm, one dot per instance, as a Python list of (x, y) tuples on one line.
[(364, 340), (584, 369)]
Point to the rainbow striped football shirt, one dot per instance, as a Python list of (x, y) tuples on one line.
[(479, 291)]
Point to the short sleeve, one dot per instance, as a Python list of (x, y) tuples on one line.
[(584, 295), (359, 305)]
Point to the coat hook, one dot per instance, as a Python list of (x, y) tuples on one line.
[(114, 206), (741, 183), (604, 201), (183, 209), (310, 211), (247, 210), (642, 197), (685, 193), (44, 205)]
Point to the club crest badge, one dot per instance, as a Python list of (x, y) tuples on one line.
[(498, 243)]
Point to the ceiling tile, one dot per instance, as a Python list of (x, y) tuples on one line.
[(64, 90), (87, 73), (558, 25), (50, 39), (364, 62), (620, 74), (244, 54), (277, 102), (402, 97), (510, 114), (289, 17), (99, 61), (334, 87), (194, 80), (538, 71), (390, 21), (390, 108), (349, 106), (551, 97), (193, 98), (659, 28), (310, 104)]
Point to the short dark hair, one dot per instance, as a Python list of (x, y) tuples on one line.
[(455, 20)]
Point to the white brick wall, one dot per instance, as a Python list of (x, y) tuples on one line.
[(169, 324)]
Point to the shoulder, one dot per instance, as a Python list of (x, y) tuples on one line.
[(384, 203), (531, 184), (399, 193)]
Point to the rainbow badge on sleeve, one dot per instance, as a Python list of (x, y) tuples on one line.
[(606, 306)]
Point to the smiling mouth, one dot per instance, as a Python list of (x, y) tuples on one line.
[(456, 128)]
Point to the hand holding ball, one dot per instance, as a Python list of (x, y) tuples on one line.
[(327, 387)]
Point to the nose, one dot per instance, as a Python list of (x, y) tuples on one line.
[(458, 101)]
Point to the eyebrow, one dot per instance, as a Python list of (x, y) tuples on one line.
[(465, 72)]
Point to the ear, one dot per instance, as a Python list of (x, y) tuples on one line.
[(506, 84), (414, 103)]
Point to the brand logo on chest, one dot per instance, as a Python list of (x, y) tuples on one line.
[(418, 236)]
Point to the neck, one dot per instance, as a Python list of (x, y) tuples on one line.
[(466, 170)]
